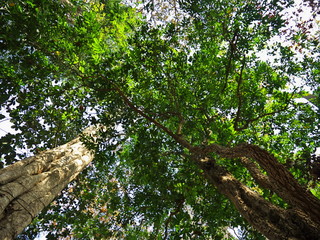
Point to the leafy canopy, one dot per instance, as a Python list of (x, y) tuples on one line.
[(68, 64)]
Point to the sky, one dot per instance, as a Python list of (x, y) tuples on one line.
[(5, 124)]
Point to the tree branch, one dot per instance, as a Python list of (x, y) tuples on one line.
[(233, 49), (246, 125), (179, 139), (262, 179), (283, 182), (239, 94)]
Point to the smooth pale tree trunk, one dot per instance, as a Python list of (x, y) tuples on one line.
[(28, 186)]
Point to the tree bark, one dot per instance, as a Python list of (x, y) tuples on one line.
[(300, 221), (28, 186)]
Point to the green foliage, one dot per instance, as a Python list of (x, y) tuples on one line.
[(68, 64)]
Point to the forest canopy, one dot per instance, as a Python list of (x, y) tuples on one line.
[(201, 107)]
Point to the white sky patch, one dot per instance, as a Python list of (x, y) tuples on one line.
[(299, 18), (5, 124)]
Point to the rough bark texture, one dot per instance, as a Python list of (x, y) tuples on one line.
[(300, 221), (28, 186)]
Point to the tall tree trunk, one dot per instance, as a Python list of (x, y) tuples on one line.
[(300, 221), (28, 186)]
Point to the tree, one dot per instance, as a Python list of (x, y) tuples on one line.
[(30, 185), (193, 117)]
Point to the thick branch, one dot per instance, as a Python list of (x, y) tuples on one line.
[(272, 221), (262, 179), (281, 180)]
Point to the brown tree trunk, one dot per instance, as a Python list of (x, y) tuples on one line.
[(300, 221), (28, 186)]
